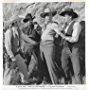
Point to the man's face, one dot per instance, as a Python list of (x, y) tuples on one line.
[(14, 28), (27, 24), (47, 19), (67, 18), (35, 26)]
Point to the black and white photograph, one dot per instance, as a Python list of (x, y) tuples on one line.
[(44, 43)]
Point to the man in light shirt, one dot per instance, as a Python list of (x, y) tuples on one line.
[(13, 35), (47, 45), (71, 41)]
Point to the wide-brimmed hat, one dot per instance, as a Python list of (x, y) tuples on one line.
[(48, 12), (13, 19), (70, 12), (28, 17)]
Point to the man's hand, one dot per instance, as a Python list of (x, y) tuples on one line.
[(62, 35), (13, 64), (33, 42), (27, 39), (13, 59)]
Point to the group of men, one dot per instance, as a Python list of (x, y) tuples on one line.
[(33, 47)]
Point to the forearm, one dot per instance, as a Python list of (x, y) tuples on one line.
[(75, 33), (8, 49), (63, 36), (27, 39), (8, 36), (10, 53), (68, 38)]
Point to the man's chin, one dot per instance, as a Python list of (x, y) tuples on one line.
[(46, 22)]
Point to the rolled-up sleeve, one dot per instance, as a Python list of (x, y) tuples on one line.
[(8, 36), (76, 32), (56, 28), (27, 39)]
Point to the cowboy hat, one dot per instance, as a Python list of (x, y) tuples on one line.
[(70, 12), (47, 12), (28, 17), (11, 20)]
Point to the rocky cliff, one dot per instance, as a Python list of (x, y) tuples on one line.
[(12, 9)]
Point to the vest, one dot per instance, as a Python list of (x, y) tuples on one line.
[(81, 41), (35, 34)]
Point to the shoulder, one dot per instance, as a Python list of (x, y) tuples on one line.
[(8, 32), (54, 25), (77, 24)]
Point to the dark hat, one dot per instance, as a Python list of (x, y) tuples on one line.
[(70, 12), (35, 23), (47, 12), (28, 17)]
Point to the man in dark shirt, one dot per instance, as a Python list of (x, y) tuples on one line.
[(32, 53), (71, 41)]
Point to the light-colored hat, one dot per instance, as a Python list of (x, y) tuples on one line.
[(48, 12), (11, 20)]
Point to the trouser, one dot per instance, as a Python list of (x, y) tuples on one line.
[(74, 57), (47, 52), (22, 66), (35, 60), (9, 73)]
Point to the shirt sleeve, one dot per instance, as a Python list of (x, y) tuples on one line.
[(27, 39), (76, 32), (8, 36), (55, 28)]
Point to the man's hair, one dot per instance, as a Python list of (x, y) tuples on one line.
[(72, 16)]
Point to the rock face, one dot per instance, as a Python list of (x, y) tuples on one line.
[(17, 9), (10, 9)]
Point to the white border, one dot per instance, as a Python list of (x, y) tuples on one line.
[(87, 13), (29, 1), (77, 87), (1, 45)]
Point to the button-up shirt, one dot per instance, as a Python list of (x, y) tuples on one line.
[(50, 31), (8, 41), (8, 36), (76, 31)]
